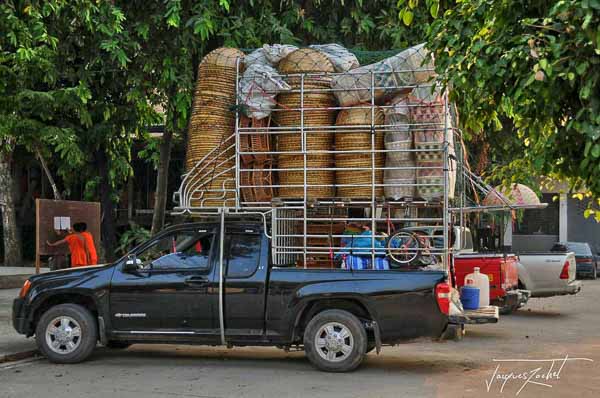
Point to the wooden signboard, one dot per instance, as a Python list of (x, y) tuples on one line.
[(53, 219)]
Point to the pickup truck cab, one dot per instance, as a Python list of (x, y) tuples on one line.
[(212, 284)]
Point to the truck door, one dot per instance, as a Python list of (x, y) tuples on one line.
[(171, 290), (246, 263)]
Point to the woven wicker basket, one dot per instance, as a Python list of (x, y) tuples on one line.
[(257, 142), (359, 139), (305, 60), (211, 127), (260, 180)]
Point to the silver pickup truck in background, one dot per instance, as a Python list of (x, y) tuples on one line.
[(548, 274)]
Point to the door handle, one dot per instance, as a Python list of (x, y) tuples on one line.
[(196, 281)]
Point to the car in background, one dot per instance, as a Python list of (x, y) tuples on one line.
[(587, 262)]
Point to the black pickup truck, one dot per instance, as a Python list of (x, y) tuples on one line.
[(170, 290)]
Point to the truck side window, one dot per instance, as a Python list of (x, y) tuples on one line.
[(181, 250), (244, 255)]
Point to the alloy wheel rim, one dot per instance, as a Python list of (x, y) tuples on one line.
[(63, 335), (334, 342)]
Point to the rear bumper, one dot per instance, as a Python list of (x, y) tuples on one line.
[(574, 287), (584, 269), (479, 316), (513, 298)]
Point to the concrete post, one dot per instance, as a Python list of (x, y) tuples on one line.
[(562, 217), (508, 231)]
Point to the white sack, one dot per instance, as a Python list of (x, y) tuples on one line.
[(276, 52), (258, 87), (342, 59)]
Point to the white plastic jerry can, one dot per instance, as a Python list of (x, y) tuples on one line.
[(482, 281)]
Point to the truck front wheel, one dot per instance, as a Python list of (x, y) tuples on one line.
[(335, 341), (66, 333)]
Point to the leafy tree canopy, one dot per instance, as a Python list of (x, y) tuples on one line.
[(531, 69)]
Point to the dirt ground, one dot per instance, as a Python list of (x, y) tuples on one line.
[(484, 364)]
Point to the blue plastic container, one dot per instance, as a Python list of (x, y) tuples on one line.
[(469, 297)]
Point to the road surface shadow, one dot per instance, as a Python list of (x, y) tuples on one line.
[(531, 313), (267, 359)]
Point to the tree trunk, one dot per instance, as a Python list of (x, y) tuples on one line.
[(162, 180), (109, 230), (55, 191), (13, 255)]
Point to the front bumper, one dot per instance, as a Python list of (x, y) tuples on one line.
[(20, 322)]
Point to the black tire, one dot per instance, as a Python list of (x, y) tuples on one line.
[(117, 345), (508, 309), (594, 274), (357, 335), (88, 335)]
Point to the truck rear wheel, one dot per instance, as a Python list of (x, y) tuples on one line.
[(335, 341), (66, 333)]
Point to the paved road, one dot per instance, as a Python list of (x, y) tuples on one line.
[(548, 328), (11, 342)]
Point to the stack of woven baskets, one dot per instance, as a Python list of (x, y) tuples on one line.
[(400, 174), (427, 118), (212, 128), (355, 167), (256, 178), (320, 183)]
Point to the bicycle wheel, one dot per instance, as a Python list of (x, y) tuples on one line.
[(403, 247)]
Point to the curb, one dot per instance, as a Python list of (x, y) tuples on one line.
[(13, 281), (17, 356)]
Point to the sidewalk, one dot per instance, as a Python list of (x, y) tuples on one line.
[(14, 277), (13, 346)]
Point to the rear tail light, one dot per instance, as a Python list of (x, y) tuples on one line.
[(442, 295), (564, 274), (585, 260)]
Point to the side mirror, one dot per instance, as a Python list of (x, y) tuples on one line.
[(132, 263)]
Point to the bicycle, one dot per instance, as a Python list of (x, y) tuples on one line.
[(409, 247)]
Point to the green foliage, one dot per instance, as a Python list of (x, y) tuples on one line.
[(529, 69), (32, 99), (134, 236)]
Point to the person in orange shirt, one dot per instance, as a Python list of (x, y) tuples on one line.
[(77, 247), (81, 227)]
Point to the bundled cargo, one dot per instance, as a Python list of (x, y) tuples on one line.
[(400, 173), (276, 135), (432, 130), (387, 78)]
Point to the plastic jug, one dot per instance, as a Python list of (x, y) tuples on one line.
[(482, 282)]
